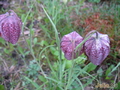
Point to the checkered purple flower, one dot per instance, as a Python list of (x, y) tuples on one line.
[(10, 26), (97, 47), (69, 43)]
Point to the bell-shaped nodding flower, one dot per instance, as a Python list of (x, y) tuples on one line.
[(97, 47), (10, 26), (69, 43)]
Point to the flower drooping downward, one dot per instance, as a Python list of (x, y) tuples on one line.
[(69, 43), (10, 26), (97, 47)]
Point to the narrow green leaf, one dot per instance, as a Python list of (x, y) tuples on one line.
[(32, 82)]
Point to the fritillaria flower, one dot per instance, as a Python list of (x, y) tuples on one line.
[(69, 43), (10, 26), (97, 47)]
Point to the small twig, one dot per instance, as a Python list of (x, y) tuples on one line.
[(4, 63)]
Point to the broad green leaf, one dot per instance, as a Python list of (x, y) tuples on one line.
[(2, 87), (43, 79), (35, 41), (89, 67)]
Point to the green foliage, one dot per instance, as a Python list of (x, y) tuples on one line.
[(100, 72), (108, 71), (69, 64), (48, 69), (33, 69), (94, 1), (2, 41), (41, 78), (81, 59), (2, 87), (118, 86), (89, 67)]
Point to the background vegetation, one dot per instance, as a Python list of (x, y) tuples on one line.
[(36, 61)]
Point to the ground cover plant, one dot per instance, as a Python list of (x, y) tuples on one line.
[(34, 35)]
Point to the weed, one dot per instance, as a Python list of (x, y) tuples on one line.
[(45, 67)]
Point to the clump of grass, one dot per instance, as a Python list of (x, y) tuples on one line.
[(45, 65)]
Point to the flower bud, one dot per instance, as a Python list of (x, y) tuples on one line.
[(10, 26), (69, 43), (97, 47)]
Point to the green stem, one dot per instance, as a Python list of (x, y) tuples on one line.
[(57, 41), (84, 40), (30, 47)]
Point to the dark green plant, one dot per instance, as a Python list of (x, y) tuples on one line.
[(94, 1), (33, 69)]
